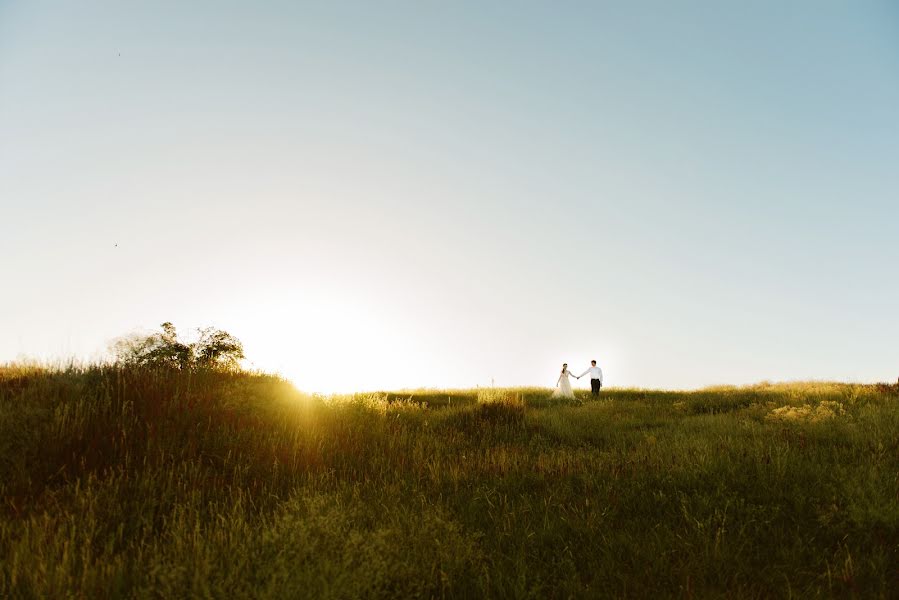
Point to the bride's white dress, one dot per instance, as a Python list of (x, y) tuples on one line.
[(563, 386)]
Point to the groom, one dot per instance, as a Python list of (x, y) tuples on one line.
[(595, 378)]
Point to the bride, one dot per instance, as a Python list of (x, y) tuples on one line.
[(563, 386)]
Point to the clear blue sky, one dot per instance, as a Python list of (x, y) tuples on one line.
[(440, 194)]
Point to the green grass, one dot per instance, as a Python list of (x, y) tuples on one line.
[(137, 483)]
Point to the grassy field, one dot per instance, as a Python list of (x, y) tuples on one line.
[(131, 482)]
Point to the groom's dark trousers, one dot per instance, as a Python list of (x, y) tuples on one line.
[(595, 385)]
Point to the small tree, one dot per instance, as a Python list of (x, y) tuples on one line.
[(217, 349), (214, 349)]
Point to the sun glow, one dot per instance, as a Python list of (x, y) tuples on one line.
[(327, 345)]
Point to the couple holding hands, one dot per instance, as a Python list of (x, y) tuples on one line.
[(563, 385)]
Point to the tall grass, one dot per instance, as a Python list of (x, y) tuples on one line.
[(126, 482)]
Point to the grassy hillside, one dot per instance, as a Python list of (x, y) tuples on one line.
[(132, 482)]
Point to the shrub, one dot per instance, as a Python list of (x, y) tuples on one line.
[(214, 349)]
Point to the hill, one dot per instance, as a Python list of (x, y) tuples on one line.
[(119, 482)]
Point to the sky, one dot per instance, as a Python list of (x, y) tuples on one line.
[(378, 195)]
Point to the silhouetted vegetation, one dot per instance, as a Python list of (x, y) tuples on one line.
[(214, 349), (138, 481)]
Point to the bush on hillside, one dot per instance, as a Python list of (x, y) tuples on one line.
[(214, 349)]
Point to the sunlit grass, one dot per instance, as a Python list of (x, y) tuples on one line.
[(135, 482)]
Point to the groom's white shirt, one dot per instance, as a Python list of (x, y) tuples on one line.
[(595, 373)]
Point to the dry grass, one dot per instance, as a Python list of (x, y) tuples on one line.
[(132, 482)]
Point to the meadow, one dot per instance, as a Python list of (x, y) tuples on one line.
[(163, 483)]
